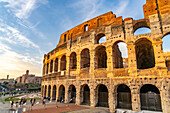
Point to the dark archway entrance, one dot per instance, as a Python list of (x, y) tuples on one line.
[(73, 61), (85, 94), (72, 94), (45, 91), (54, 93), (101, 57), (85, 58), (144, 54), (124, 97), (150, 98), (49, 90), (102, 96), (61, 94), (63, 63)]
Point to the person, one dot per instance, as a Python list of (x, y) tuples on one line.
[(34, 100), (31, 101), (61, 99), (12, 103)]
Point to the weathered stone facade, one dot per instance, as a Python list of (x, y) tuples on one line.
[(84, 71)]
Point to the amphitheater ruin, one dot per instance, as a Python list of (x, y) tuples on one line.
[(84, 70)]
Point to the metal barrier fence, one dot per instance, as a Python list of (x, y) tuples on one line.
[(103, 99), (124, 100), (150, 101)]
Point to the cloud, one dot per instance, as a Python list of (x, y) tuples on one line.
[(15, 64), (13, 36), (23, 8)]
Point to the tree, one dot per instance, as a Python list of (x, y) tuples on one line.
[(5, 83)]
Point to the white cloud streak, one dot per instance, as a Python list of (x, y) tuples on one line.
[(23, 8), (13, 36)]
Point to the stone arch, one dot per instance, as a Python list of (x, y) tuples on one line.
[(85, 58), (85, 94), (124, 97), (73, 60), (150, 98), (101, 57), (120, 54), (54, 92), (51, 66), (100, 38), (56, 65), (143, 23), (72, 93), (101, 95), (61, 92), (144, 54), (49, 91), (63, 63)]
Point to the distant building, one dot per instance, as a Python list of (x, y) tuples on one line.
[(29, 78), (10, 81)]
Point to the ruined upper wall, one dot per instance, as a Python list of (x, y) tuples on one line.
[(156, 6), (102, 20)]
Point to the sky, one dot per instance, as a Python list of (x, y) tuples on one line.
[(31, 28)]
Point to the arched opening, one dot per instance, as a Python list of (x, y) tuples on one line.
[(100, 38), (54, 93), (49, 91), (166, 48), (63, 63), (144, 54), (56, 65), (72, 94), (102, 96), (150, 98), (45, 91), (142, 30), (85, 58), (124, 97), (51, 66), (101, 57), (166, 41), (47, 68), (61, 94), (85, 95), (120, 55), (73, 61)]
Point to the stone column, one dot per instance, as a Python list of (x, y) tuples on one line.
[(57, 91), (135, 98), (165, 97), (132, 62), (109, 60), (51, 93), (92, 62), (158, 52), (59, 63), (77, 95), (66, 95), (47, 91), (68, 65), (78, 63), (53, 66), (92, 97)]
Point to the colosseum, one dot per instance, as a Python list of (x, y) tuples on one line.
[(85, 70)]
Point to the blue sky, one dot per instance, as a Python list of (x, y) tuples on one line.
[(31, 28)]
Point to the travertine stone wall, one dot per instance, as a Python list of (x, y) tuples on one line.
[(157, 18)]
